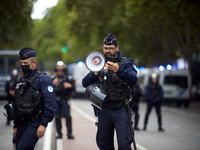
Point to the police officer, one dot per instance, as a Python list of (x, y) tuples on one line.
[(34, 101), (63, 85), (137, 93), (10, 88), (115, 82), (154, 94)]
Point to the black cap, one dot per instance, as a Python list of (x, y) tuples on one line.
[(110, 39), (26, 53)]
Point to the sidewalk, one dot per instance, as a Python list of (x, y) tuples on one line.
[(84, 131)]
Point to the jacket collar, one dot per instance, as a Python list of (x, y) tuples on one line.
[(31, 73)]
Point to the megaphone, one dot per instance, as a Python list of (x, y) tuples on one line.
[(95, 61), (95, 94)]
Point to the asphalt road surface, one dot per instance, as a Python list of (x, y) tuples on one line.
[(182, 127)]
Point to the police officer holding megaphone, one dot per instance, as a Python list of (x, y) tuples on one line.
[(108, 88)]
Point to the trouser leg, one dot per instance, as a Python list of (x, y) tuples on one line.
[(26, 137), (149, 108), (137, 116), (123, 128), (69, 127), (105, 132), (58, 126), (8, 121), (159, 115)]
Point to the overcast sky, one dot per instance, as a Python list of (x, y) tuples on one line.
[(40, 6)]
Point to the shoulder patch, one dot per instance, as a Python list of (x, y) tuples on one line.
[(50, 89)]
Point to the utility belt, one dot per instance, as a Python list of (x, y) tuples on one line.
[(27, 120), (118, 105)]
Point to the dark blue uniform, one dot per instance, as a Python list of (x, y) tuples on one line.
[(110, 119), (154, 94), (63, 95), (26, 136), (10, 85), (136, 93)]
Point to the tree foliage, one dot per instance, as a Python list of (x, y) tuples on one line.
[(15, 23), (154, 31)]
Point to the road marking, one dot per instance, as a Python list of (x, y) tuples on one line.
[(76, 108), (47, 137), (59, 144)]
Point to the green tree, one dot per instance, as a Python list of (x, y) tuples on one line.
[(50, 35), (155, 32), (15, 23)]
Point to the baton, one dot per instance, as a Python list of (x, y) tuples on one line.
[(130, 124)]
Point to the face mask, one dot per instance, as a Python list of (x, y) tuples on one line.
[(25, 68)]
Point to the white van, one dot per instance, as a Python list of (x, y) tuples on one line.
[(176, 84), (78, 72)]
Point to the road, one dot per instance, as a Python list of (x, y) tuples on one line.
[(181, 126)]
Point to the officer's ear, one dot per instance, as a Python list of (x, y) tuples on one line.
[(117, 48), (34, 60)]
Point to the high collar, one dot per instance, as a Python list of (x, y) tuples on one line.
[(32, 72), (119, 56)]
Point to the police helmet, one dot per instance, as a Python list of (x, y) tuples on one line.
[(154, 75), (14, 72), (60, 66)]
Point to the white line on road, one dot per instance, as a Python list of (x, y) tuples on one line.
[(47, 137), (75, 107), (59, 144), (83, 113)]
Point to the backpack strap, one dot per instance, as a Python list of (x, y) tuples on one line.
[(32, 78)]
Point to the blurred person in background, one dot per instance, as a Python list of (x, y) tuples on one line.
[(154, 94), (64, 86), (10, 88), (136, 94)]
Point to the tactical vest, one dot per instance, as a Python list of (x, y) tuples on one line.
[(27, 101), (154, 90), (60, 87), (61, 92), (116, 89)]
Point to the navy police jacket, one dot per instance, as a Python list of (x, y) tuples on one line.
[(154, 92), (61, 92), (44, 84), (128, 73)]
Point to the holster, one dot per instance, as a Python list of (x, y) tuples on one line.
[(10, 111)]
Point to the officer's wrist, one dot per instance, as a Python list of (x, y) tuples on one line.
[(44, 124)]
